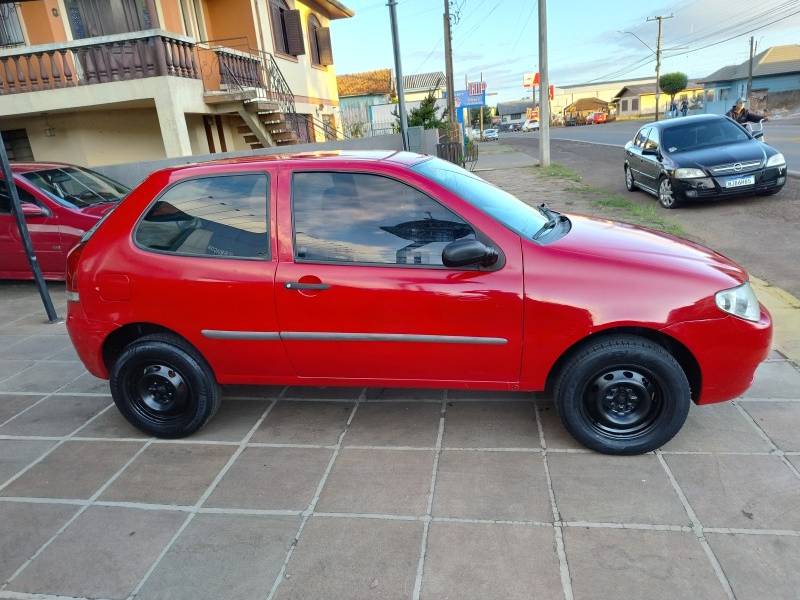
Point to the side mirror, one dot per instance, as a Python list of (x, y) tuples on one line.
[(468, 252), (649, 151), (33, 210), (758, 134)]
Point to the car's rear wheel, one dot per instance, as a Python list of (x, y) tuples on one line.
[(623, 395), (666, 195), (629, 183), (162, 386)]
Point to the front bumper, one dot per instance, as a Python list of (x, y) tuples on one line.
[(765, 180), (728, 350)]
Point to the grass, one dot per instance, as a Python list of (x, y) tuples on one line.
[(559, 171), (646, 214)]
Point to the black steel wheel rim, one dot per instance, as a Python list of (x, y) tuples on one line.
[(623, 401), (158, 392)]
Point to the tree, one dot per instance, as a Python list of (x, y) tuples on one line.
[(425, 114), (673, 83), (475, 116)]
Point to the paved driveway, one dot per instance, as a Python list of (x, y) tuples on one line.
[(325, 493)]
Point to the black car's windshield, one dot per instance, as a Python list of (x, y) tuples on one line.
[(76, 186), (701, 134), (509, 210)]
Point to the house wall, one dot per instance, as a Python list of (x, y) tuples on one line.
[(39, 23), (725, 93), (563, 97), (415, 96)]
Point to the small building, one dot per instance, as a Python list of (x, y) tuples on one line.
[(514, 113), (638, 101), (419, 85), (563, 96), (775, 87), (358, 93)]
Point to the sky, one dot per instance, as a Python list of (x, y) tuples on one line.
[(499, 38)]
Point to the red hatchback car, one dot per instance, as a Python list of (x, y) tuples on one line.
[(60, 202), (396, 269)]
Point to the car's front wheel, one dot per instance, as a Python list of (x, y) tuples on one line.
[(629, 184), (623, 395), (666, 195), (162, 386)]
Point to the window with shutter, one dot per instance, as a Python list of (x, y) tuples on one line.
[(324, 44), (294, 32), (277, 9), (313, 41)]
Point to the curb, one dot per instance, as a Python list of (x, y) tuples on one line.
[(793, 174), (785, 311)]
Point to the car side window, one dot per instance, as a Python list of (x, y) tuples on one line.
[(224, 215), (5, 198), (652, 139), (363, 218), (640, 138)]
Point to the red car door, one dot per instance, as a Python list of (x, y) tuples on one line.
[(361, 291), (45, 235)]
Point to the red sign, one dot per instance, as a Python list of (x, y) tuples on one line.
[(476, 88)]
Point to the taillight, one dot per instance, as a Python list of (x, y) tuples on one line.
[(73, 258)]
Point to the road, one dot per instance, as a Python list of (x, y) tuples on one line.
[(783, 135), (761, 233)]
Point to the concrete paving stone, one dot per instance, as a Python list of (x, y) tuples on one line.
[(67, 353), (9, 368), (24, 528), (170, 474), (353, 559), (379, 481), (795, 460), (6, 339), (264, 392), (404, 394), (490, 425), (15, 455), (87, 384), (752, 492), (56, 416), (36, 347), (34, 324), (233, 421), (73, 470), (775, 380), (614, 489), (323, 393), (12, 404), (488, 395), (43, 377), (104, 553), (779, 420), (272, 478), (319, 423), (111, 424), (610, 564), (223, 557), (717, 428), (759, 566), (492, 561), (395, 424), (492, 485), (555, 436)]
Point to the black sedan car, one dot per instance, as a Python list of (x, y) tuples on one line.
[(702, 156)]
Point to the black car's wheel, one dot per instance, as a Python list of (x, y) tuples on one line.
[(629, 184), (163, 386), (666, 195), (623, 395)]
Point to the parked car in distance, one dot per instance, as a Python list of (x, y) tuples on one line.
[(490, 135), (702, 156), (401, 270), (596, 118), (60, 202), (530, 125)]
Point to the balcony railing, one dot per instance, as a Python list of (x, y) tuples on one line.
[(104, 59)]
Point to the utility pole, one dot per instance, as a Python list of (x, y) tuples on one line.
[(660, 19), (750, 69), (451, 87), (24, 235), (398, 74), (481, 114), (544, 89)]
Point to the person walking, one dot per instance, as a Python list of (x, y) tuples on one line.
[(673, 109), (684, 107), (742, 115)]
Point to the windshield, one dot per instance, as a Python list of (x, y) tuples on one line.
[(77, 187), (701, 135), (509, 210)]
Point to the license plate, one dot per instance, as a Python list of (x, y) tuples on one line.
[(740, 181)]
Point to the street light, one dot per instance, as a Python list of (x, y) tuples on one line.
[(640, 39)]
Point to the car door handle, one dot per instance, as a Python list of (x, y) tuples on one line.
[(296, 285)]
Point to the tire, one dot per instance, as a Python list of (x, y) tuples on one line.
[(629, 183), (622, 394), (667, 197), (163, 387)]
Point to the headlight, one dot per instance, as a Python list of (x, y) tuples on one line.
[(776, 160), (740, 301), (688, 173)]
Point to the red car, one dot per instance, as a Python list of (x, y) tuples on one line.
[(61, 202), (396, 269), (596, 118)]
